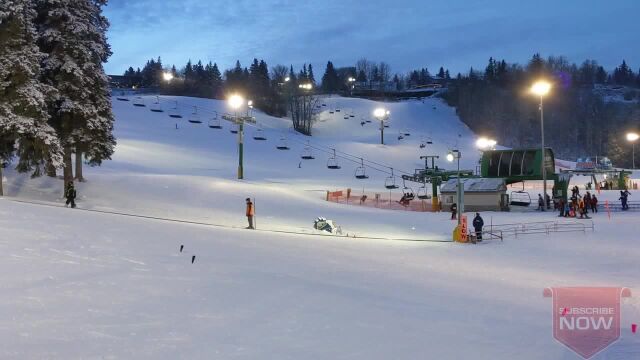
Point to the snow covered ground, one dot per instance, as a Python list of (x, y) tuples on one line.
[(82, 284)]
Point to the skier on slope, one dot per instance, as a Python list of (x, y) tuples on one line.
[(454, 211), (70, 194), (250, 213)]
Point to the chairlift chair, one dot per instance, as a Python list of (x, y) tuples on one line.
[(332, 163), (122, 99), (156, 107), (407, 192), (406, 132), (422, 193), (307, 154), (520, 198), (400, 137), (214, 122), (195, 118), (352, 116), (234, 130), (361, 171), (139, 102), (282, 145), (390, 182), (175, 113), (259, 135), (337, 110), (346, 118)]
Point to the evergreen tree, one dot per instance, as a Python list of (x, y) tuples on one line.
[(23, 108), (310, 77), (73, 35), (441, 73), (330, 80)]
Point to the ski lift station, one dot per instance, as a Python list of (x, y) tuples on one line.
[(480, 194)]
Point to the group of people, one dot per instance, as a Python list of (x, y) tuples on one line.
[(578, 205)]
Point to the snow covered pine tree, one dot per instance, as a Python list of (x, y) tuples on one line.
[(73, 35), (23, 98)]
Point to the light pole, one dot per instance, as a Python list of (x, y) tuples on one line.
[(382, 115), (632, 138), (453, 155), (351, 80), (236, 102), (541, 88)]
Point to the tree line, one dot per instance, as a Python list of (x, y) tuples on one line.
[(583, 116), (54, 94)]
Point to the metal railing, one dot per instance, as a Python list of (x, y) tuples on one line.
[(543, 227)]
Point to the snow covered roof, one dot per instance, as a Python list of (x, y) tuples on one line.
[(475, 185)]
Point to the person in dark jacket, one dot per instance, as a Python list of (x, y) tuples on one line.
[(594, 203), (587, 202), (540, 203), (547, 200), (71, 194), (478, 223), (454, 211), (561, 207)]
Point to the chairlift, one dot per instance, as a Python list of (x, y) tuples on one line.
[(214, 122), (307, 153), (282, 145), (390, 182), (337, 110), (422, 193), (324, 104), (139, 102), (361, 171), (400, 137), (362, 123), (352, 116), (331, 112), (406, 132), (259, 135), (234, 130), (156, 107), (195, 118), (407, 192), (122, 98), (346, 118), (520, 198), (332, 163), (175, 113), (369, 121)]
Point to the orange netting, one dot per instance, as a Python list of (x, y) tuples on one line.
[(380, 201)]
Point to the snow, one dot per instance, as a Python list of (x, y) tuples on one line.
[(86, 284), (474, 185)]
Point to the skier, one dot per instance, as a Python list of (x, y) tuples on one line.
[(582, 209), (454, 211), (594, 203), (250, 213), (540, 203), (70, 194), (478, 223), (624, 198)]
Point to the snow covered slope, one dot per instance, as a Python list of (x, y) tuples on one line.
[(190, 172)]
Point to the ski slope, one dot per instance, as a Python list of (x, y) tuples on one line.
[(190, 172), (85, 284)]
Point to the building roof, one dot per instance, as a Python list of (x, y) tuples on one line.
[(475, 185)]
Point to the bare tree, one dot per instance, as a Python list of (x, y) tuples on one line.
[(279, 73)]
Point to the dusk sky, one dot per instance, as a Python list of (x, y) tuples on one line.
[(406, 34)]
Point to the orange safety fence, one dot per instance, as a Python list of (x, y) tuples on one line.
[(380, 201)]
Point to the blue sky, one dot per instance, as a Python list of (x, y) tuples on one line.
[(405, 33)]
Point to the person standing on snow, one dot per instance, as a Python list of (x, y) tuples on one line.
[(587, 202), (540, 203), (250, 213), (594, 203), (478, 223), (454, 211), (71, 194)]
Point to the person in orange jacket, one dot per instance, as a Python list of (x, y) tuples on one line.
[(250, 213)]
